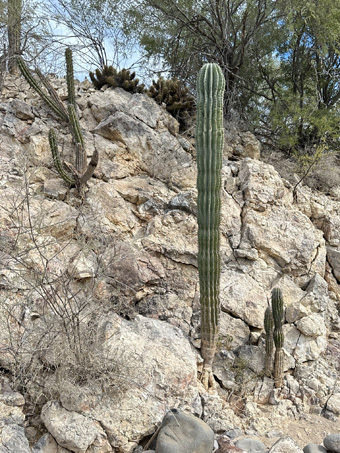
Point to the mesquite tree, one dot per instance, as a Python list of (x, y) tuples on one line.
[(209, 144)]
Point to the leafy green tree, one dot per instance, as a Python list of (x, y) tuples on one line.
[(305, 110), (184, 34)]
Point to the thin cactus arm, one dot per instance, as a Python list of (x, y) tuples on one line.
[(269, 328), (90, 168), (51, 91), (57, 160), (70, 77), (34, 84), (209, 144), (78, 139)]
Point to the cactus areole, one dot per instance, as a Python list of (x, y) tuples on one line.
[(209, 145)]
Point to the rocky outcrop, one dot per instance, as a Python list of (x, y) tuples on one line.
[(12, 418), (120, 267)]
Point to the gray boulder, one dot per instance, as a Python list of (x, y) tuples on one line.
[(332, 443), (184, 433), (13, 440), (251, 445), (46, 444), (314, 448)]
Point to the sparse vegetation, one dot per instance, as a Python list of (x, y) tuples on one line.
[(51, 331)]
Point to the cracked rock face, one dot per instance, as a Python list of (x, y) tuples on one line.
[(130, 251)]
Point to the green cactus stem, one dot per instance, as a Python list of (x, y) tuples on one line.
[(57, 160), (56, 107), (277, 307), (269, 327), (78, 139), (70, 77), (209, 144), (14, 21)]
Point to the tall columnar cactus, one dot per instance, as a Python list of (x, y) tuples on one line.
[(209, 144), (14, 13), (81, 173), (269, 327), (277, 306)]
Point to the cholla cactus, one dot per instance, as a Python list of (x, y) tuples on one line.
[(277, 306), (116, 79), (81, 173), (269, 327), (209, 144), (176, 97)]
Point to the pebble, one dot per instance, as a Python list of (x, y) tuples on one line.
[(274, 433), (332, 443), (233, 433), (285, 445)]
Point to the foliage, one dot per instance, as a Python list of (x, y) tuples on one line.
[(50, 325), (280, 60), (81, 173), (122, 79), (185, 34), (304, 111), (175, 95)]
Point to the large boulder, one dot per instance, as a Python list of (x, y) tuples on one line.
[(184, 433)]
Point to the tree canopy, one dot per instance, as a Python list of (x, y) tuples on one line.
[(280, 58)]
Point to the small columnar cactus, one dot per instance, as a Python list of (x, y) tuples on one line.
[(269, 327), (277, 307), (209, 144), (81, 173)]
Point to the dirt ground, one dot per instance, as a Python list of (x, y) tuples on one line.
[(309, 429)]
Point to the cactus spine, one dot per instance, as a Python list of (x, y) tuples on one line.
[(277, 306), (81, 173), (209, 144), (269, 326)]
